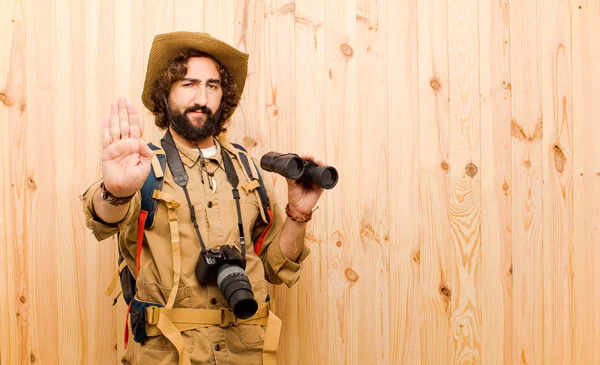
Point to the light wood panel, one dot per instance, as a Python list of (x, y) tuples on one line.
[(496, 182), (586, 182), (557, 156), (464, 228)]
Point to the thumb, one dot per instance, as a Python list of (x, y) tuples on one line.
[(145, 151)]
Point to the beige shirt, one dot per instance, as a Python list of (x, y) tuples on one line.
[(217, 217)]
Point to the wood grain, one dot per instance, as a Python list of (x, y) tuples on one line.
[(344, 301), (437, 254), (586, 182), (496, 183), (311, 138), (557, 151), (465, 179), (372, 203), (403, 183), (527, 210)]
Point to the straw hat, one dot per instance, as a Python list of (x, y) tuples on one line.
[(169, 45)]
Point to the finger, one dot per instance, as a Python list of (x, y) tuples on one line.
[(135, 131), (123, 118), (319, 162), (314, 159), (105, 132), (115, 130), (145, 151)]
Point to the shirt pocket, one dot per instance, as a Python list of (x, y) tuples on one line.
[(251, 336), (249, 211)]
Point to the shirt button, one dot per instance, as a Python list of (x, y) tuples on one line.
[(217, 347), (209, 204), (213, 301)]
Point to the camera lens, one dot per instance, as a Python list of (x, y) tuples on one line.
[(236, 288)]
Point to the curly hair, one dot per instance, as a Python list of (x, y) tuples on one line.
[(175, 71)]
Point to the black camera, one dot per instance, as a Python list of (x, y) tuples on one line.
[(226, 265), (294, 167)]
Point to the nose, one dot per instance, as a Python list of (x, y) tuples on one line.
[(201, 98)]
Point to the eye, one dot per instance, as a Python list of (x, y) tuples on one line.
[(187, 84), (213, 86)]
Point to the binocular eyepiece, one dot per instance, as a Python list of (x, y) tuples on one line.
[(293, 167)]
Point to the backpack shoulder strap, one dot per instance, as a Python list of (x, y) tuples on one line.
[(153, 184), (262, 193)]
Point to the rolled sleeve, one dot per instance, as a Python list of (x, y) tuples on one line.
[(279, 269), (99, 228)]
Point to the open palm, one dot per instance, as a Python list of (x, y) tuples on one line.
[(126, 159)]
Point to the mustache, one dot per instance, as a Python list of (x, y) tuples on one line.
[(194, 108)]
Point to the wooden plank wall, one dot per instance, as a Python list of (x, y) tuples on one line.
[(466, 225)]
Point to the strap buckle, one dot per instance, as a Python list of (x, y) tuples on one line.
[(228, 318), (152, 314)]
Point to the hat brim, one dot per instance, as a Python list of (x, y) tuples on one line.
[(169, 45)]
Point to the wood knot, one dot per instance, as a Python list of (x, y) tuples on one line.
[(273, 110), (330, 74), (505, 187), (508, 86), (249, 141), (471, 169), (417, 257), (338, 243), (559, 159), (31, 184), (445, 166), (32, 358), (22, 299), (5, 99), (446, 292), (346, 50), (351, 275), (510, 270), (435, 83), (527, 163), (22, 106)]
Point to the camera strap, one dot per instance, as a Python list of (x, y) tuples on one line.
[(181, 178), (234, 181)]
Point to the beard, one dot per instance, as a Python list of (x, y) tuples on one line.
[(182, 124)]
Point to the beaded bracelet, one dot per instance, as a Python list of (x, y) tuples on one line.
[(297, 219)]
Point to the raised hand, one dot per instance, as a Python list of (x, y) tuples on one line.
[(126, 159)]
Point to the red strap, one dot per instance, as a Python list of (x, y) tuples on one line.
[(140, 241), (260, 240), (126, 334)]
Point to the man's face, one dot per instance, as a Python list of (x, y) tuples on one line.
[(195, 99)]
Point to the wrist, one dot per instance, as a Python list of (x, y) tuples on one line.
[(297, 216), (113, 199)]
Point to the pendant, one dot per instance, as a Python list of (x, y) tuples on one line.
[(214, 185)]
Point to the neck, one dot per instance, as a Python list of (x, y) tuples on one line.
[(205, 143)]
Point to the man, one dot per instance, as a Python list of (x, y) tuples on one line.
[(193, 85)]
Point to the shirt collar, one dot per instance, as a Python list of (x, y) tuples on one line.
[(190, 156)]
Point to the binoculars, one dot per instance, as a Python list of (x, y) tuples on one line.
[(293, 167)]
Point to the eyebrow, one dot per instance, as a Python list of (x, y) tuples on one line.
[(209, 81)]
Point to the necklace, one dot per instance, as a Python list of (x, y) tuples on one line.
[(212, 183)]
